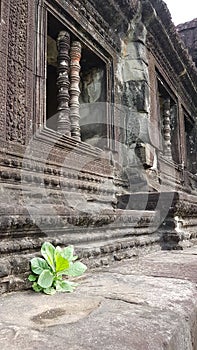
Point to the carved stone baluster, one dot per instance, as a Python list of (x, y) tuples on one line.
[(75, 56), (63, 46), (167, 129)]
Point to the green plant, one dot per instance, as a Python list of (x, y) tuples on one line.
[(48, 273)]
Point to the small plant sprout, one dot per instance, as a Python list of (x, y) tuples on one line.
[(48, 273)]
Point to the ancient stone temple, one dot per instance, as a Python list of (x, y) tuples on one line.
[(188, 33), (97, 131)]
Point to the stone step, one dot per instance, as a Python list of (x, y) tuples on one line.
[(36, 221), (101, 236), (132, 233), (147, 200), (15, 267)]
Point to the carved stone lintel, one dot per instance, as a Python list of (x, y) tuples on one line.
[(75, 56), (63, 46), (167, 129)]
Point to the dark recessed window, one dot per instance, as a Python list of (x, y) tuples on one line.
[(92, 85)]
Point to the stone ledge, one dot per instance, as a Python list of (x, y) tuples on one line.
[(14, 267), (149, 303)]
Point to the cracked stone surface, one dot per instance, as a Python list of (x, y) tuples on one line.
[(142, 304)]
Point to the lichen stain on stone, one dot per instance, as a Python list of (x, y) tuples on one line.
[(124, 47), (48, 315)]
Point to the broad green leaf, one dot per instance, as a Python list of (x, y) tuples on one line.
[(58, 250), (75, 257), (60, 262), (38, 265), (45, 279), (49, 291), (65, 286), (76, 269), (36, 287), (68, 252), (32, 278), (48, 252)]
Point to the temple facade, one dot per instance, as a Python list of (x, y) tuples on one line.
[(97, 131), (188, 33)]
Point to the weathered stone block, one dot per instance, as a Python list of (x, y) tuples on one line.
[(136, 95), (134, 70)]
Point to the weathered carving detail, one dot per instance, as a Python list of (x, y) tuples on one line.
[(38, 173), (16, 76), (159, 50), (167, 129), (188, 33), (88, 11), (75, 56), (63, 45)]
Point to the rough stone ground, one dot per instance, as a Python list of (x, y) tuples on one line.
[(145, 304)]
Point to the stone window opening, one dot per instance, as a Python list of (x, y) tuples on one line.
[(168, 122), (93, 98), (76, 87), (190, 141)]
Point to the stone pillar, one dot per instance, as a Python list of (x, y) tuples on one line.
[(63, 46), (75, 56), (167, 129)]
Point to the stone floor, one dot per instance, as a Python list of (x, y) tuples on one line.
[(145, 304)]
